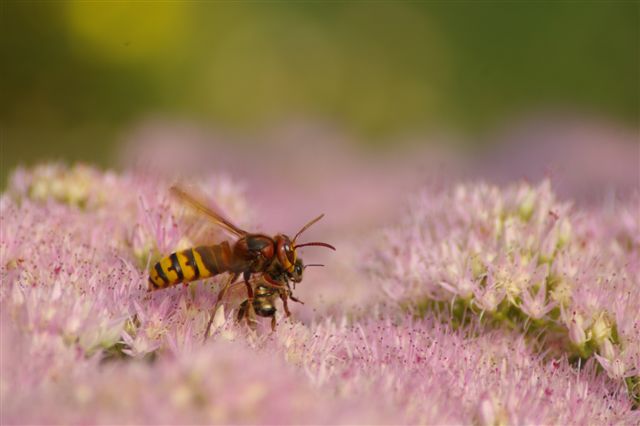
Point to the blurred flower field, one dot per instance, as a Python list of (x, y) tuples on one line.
[(476, 304)]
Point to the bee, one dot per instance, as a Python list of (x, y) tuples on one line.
[(266, 292), (264, 302), (273, 258)]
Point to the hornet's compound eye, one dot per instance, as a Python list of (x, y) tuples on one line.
[(296, 272), (286, 253), (290, 252)]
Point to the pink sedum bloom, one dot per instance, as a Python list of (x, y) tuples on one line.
[(83, 342), (521, 257)]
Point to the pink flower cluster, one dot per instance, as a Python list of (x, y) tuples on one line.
[(523, 259), (83, 342)]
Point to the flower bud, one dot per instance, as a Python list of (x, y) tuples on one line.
[(525, 209), (564, 233), (607, 350), (600, 330), (576, 330)]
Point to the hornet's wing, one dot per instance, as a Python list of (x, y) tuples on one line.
[(200, 206)]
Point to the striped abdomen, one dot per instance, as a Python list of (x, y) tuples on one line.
[(190, 265)]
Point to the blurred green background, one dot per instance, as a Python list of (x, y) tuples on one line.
[(76, 75)]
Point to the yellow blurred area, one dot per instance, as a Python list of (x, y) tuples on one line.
[(127, 32)]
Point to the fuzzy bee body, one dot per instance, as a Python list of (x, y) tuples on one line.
[(264, 302)]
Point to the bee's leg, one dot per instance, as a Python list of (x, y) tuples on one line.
[(221, 294), (273, 322)]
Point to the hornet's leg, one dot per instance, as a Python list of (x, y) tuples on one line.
[(221, 294), (224, 289), (247, 276), (251, 313), (273, 323), (284, 297), (295, 300), (242, 311), (290, 293)]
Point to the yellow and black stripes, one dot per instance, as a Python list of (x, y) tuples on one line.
[(209, 258), (190, 265), (176, 267)]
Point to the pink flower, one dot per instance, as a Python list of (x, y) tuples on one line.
[(83, 342), (537, 306), (517, 254)]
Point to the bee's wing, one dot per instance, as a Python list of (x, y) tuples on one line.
[(197, 204)]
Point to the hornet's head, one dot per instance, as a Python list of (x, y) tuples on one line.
[(287, 255), (298, 269)]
